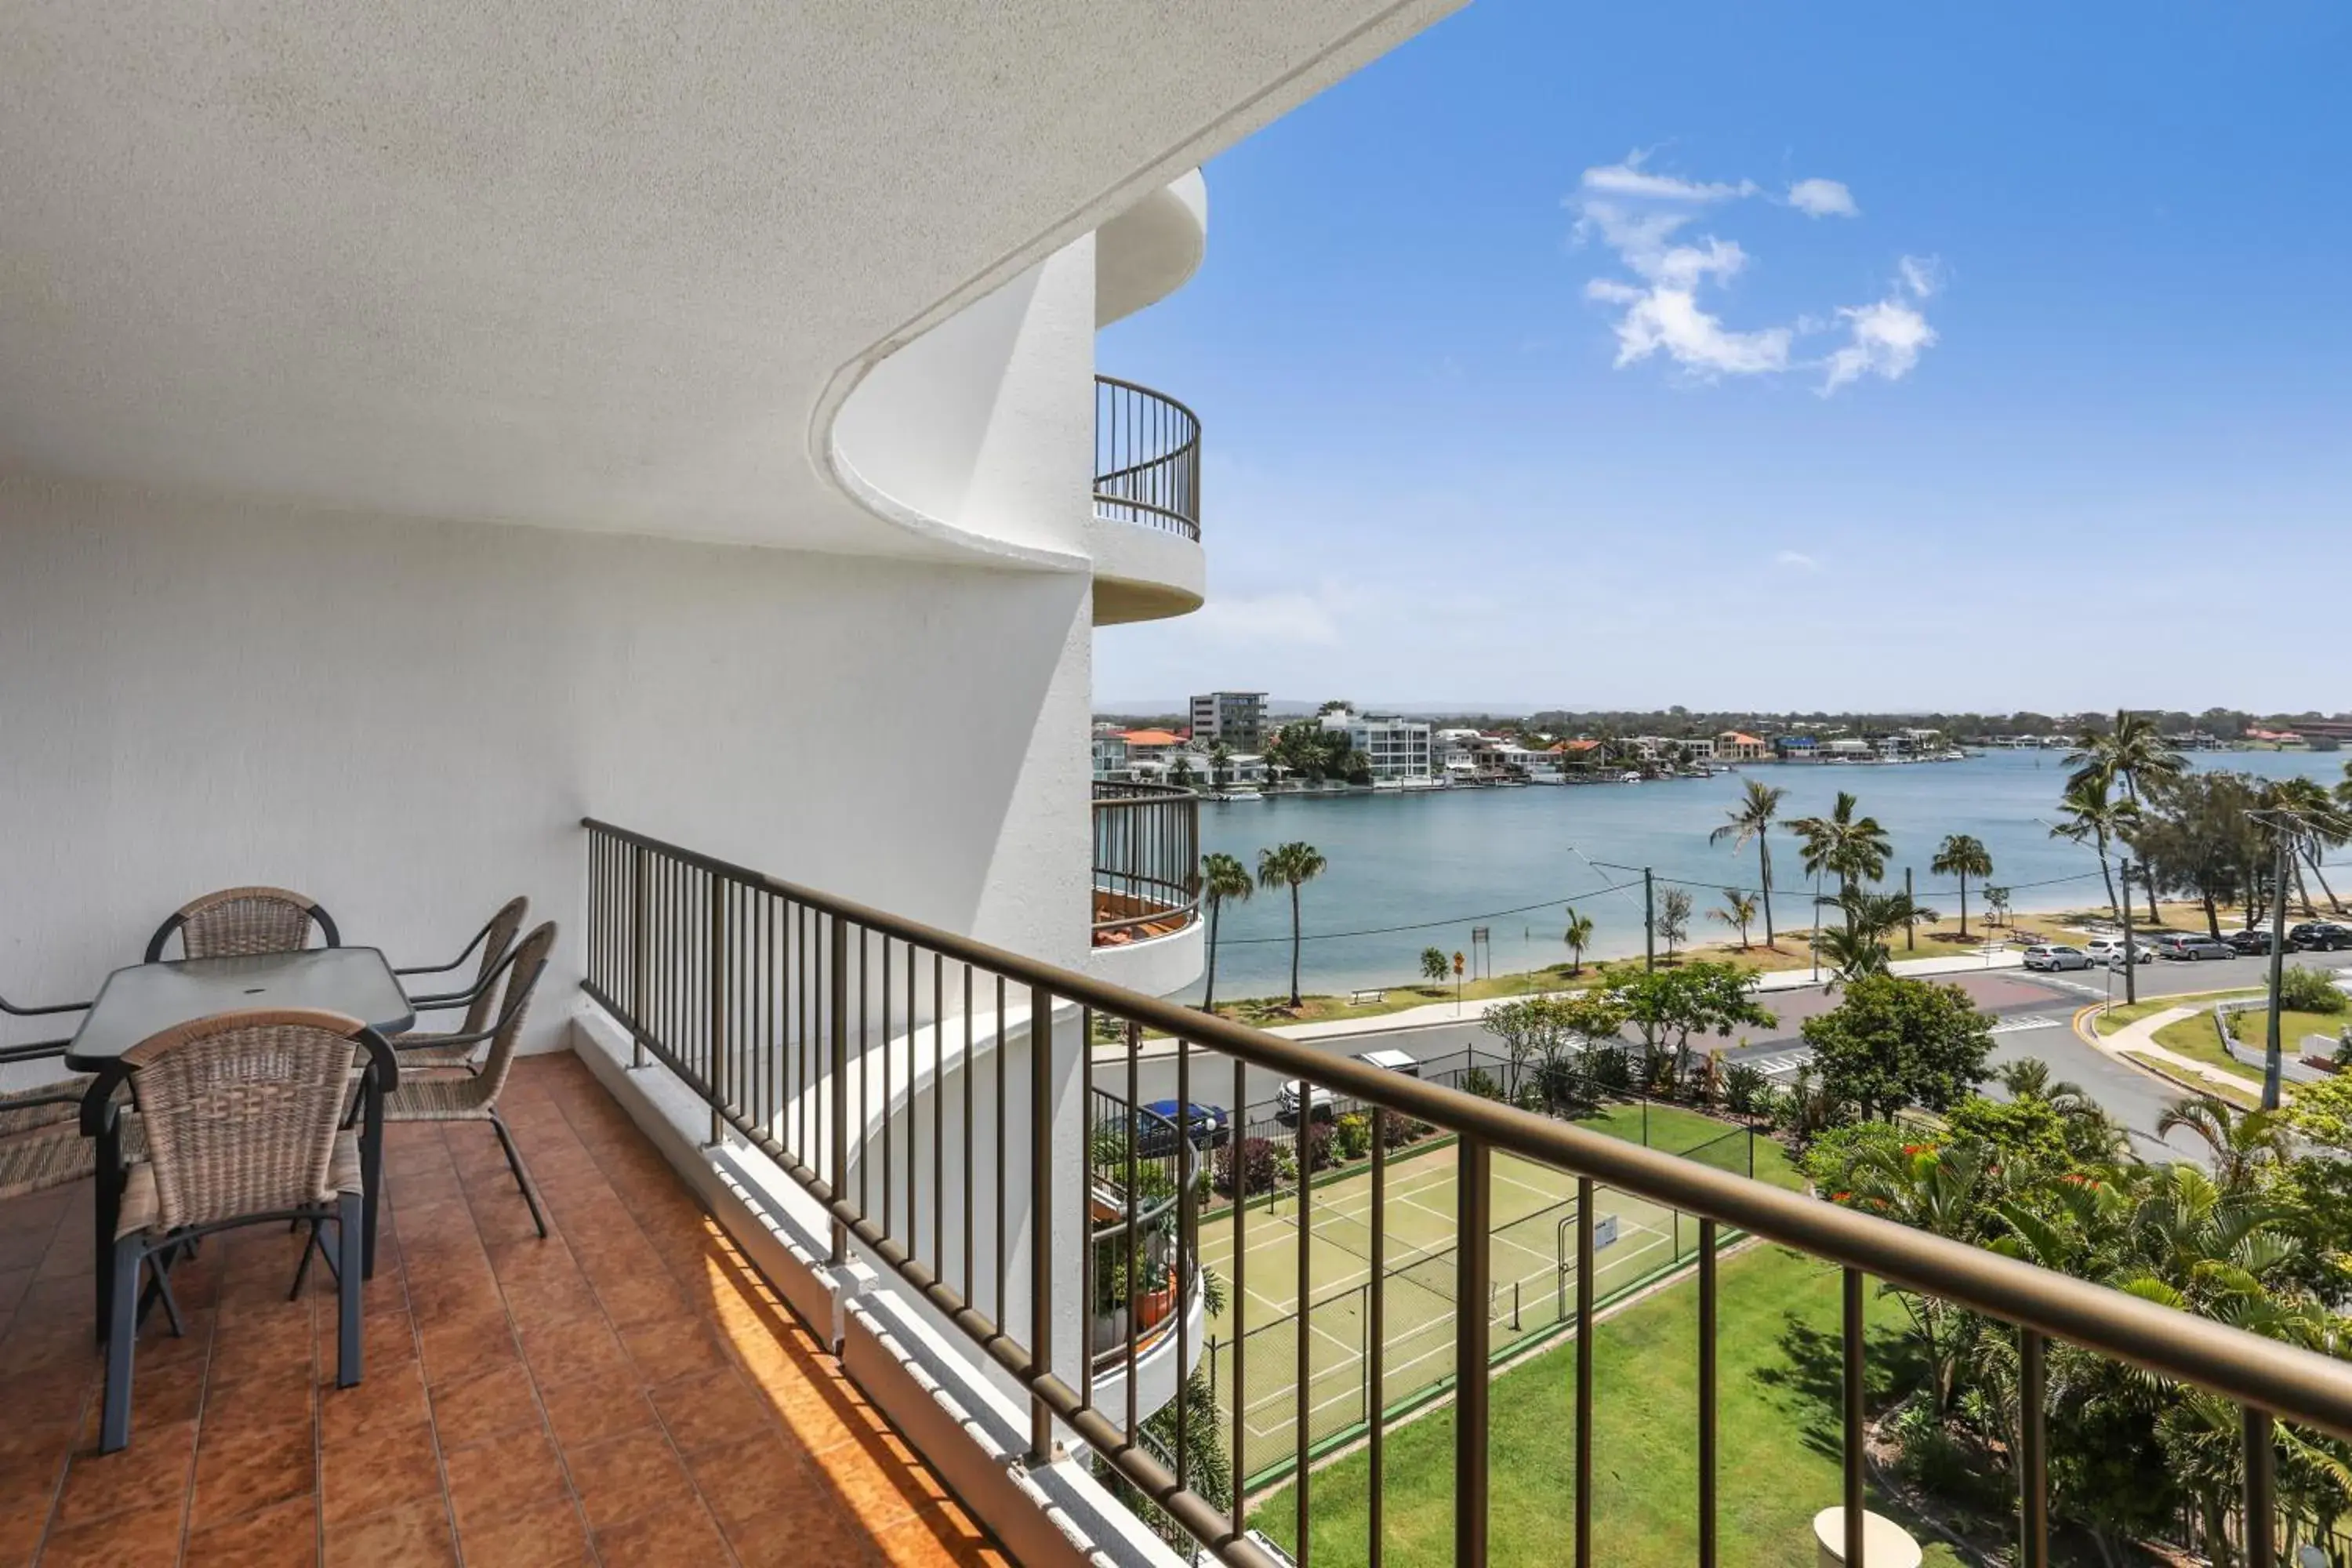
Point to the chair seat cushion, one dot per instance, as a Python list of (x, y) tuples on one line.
[(142, 1206)]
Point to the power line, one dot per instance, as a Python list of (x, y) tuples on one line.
[(1924, 892), (1426, 925)]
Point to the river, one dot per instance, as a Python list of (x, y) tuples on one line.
[(1443, 861)]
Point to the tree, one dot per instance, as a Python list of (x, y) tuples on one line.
[(1739, 909), (1672, 1005), (2091, 814), (2198, 839), (1844, 844), (2322, 827), (1435, 965), (1893, 1042), (1221, 759), (1752, 818), (1673, 918), (1963, 855), (1858, 944), (1292, 865), (1578, 936), (2243, 1142), (1223, 880), (2133, 753), (1529, 1029), (1181, 776)]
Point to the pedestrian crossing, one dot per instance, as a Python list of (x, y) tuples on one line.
[(2026, 1021), (1784, 1065)]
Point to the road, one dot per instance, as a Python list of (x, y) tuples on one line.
[(2033, 1011)]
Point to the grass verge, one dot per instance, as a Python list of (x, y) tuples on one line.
[(1780, 1378)]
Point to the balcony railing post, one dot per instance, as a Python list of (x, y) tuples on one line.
[(639, 955), (837, 987), (2034, 1447), (1706, 1394), (2262, 1517), (1472, 1311), (1854, 1457), (717, 983), (1040, 1215)]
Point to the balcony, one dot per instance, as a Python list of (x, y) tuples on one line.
[(1147, 504), (1146, 885), (1139, 1212), (629, 1390), (999, 1237)]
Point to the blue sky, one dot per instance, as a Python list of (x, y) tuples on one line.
[(1532, 375)]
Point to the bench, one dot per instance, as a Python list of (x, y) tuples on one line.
[(1363, 999)]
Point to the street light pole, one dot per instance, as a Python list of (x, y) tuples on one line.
[(2270, 1049), (2131, 949), (1649, 921)]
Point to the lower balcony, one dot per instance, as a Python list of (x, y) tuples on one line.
[(627, 1391), (1147, 886), (1146, 534)]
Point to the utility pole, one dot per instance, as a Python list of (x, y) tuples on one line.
[(1910, 928), (1649, 921), (2131, 950), (2271, 1058)]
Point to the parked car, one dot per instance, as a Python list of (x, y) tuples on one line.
[(2247, 943), (2110, 949), (2056, 955), (2189, 949), (1321, 1103), (1205, 1123), (2319, 936)]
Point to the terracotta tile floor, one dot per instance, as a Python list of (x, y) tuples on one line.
[(627, 1391)]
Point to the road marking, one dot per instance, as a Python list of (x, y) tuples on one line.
[(1788, 1062), (2025, 1021)]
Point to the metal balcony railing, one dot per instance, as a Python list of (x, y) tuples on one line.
[(760, 995), (1147, 458), (1147, 865), (1136, 1170)]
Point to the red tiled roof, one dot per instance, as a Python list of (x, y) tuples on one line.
[(1151, 738)]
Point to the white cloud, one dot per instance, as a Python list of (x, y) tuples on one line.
[(1796, 561), (1642, 214), (1630, 179), (1887, 340), (1822, 198)]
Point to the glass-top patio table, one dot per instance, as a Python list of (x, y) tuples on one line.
[(143, 999)]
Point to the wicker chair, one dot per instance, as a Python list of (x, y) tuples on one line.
[(237, 922), (474, 1097), (40, 1146), (427, 1048), (242, 1114)]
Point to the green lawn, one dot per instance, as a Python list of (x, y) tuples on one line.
[(2172, 1069), (2253, 1027), (2194, 1038), (1676, 1131), (2116, 1017), (1778, 1381)]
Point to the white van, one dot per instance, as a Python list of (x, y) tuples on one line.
[(1320, 1101)]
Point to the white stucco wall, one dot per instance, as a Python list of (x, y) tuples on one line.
[(406, 718)]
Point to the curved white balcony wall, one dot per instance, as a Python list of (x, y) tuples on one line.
[(1158, 1374), (1151, 249), (1144, 574), (1160, 966), (980, 431)]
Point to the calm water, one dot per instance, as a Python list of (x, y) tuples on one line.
[(1454, 855)]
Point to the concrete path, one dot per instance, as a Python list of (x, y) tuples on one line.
[(2140, 1039)]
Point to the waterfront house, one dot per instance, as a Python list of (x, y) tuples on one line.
[(1735, 746), (1396, 747), (1112, 760)]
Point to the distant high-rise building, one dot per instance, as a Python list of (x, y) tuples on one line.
[(1235, 718)]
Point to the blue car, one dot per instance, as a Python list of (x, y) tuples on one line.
[(1206, 1125)]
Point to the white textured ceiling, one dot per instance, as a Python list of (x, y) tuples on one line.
[(601, 265)]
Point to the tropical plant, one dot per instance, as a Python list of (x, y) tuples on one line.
[(2090, 812), (1577, 936), (1291, 865), (1221, 759), (1858, 945), (1674, 919), (1181, 774), (2243, 1142), (1963, 855), (1435, 965), (1752, 818), (1223, 880), (1737, 910), (2133, 753), (2321, 827), (1844, 844)]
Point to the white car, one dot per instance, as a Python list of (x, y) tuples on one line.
[(2109, 951), (2056, 955), (1319, 1100)]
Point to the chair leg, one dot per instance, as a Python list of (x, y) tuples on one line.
[(159, 1288), (522, 1175), (123, 1333), (350, 1280)]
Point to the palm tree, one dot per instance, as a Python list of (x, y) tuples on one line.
[(1291, 865), (2133, 753), (1753, 819), (1963, 855), (1846, 845), (1578, 936), (2243, 1141), (2091, 812), (1220, 757), (2323, 828), (1857, 946), (1222, 879), (1739, 909)]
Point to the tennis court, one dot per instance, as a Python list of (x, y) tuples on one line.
[(1532, 1266)]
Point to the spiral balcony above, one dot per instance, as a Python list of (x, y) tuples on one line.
[(1147, 458)]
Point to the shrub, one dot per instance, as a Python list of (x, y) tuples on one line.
[(1609, 1068), (2304, 990), (1317, 1148), (1352, 1135), (1744, 1088), (1259, 1164), (1476, 1081), (1564, 1089), (1398, 1129)]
